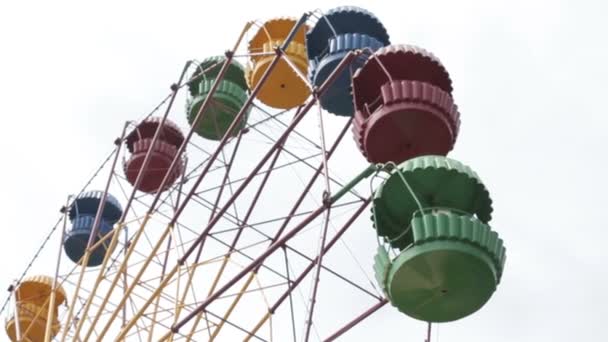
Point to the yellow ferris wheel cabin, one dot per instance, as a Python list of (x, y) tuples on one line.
[(284, 88)]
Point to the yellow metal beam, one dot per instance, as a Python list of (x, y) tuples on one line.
[(142, 310), (98, 280), (51, 317), (156, 304), (84, 261), (258, 326), (36, 316), (134, 281), (231, 308)]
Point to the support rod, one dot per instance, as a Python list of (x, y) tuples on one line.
[(234, 243), (157, 134), (292, 125), (356, 321), (317, 278), (310, 266), (174, 163), (242, 111), (308, 186), (271, 249), (255, 263), (17, 313), (51, 314), (225, 180), (300, 199), (85, 258), (120, 224), (332, 77), (212, 158), (294, 30)]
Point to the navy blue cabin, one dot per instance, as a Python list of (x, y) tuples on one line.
[(339, 31), (82, 215)]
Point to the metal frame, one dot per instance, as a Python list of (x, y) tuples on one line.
[(128, 271)]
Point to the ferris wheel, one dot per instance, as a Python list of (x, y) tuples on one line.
[(233, 218)]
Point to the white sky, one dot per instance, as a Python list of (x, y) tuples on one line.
[(526, 76)]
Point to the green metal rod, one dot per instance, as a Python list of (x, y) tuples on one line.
[(347, 187)]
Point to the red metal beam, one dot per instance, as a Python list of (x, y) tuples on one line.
[(356, 321), (345, 62), (102, 202), (310, 266), (147, 158), (277, 244)]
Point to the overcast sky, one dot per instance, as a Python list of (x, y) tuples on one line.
[(529, 79)]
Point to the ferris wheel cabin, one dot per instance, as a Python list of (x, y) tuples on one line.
[(82, 215), (337, 32), (226, 102), (437, 259), (139, 142), (33, 302), (285, 87), (404, 106)]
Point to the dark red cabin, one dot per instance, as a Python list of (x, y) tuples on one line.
[(139, 141), (403, 106)]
